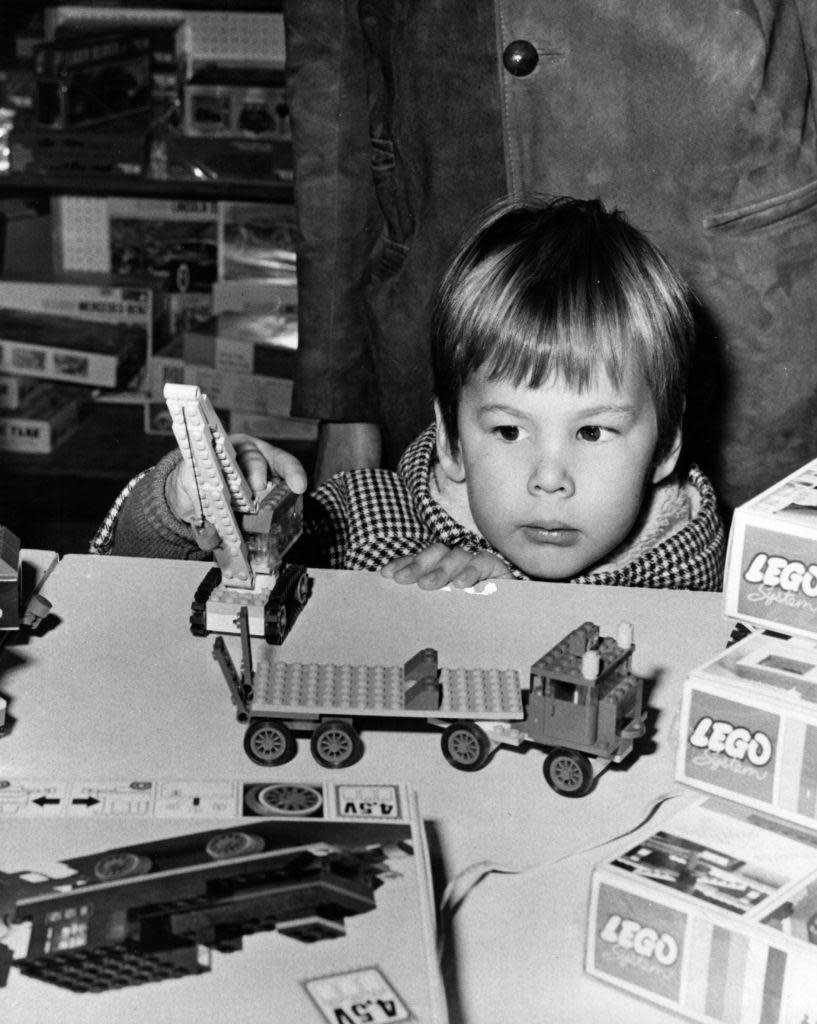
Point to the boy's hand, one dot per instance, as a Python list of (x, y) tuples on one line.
[(259, 462), (438, 565)]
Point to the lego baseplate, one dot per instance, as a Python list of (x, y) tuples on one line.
[(297, 689)]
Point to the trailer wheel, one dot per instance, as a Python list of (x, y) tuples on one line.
[(268, 742), (568, 772), (465, 746), (335, 744)]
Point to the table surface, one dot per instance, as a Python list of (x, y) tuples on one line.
[(117, 688)]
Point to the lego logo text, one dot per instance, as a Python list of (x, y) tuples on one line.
[(734, 741), (775, 571), (641, 939)]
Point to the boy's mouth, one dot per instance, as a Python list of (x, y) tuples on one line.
[(557, 534)]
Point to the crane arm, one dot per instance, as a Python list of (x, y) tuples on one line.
[(220, 485)]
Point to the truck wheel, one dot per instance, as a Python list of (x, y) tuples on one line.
[(268, 742), (465, 746), (335, 744), (568, 772)]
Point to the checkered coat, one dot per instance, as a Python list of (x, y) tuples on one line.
[(364, 518)]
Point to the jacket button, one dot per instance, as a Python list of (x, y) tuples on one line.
[(520, 58)]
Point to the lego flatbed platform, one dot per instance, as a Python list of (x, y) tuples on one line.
[(303, 690)]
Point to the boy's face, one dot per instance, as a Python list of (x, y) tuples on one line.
[(556, 477)]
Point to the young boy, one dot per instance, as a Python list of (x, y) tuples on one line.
[(561, 341)]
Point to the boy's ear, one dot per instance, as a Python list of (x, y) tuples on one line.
[(450, 460), (668, 463)]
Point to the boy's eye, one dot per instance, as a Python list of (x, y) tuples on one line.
[(590, 433), (507, 433)]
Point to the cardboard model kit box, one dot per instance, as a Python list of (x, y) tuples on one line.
[(43, 422), (78, 334), (771, 565), (248, 392), (714, 917), (261, 342), (291, 901)]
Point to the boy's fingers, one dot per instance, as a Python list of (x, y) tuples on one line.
[(467, 577), (451, 565), (483, 565), (409, 568), (390, 569), (260, 461), (434, 580)]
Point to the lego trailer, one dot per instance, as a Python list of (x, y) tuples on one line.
[(583, 702)]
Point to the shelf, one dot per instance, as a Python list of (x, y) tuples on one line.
[(43, 185)]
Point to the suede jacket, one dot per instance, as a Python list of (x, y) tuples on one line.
[(695, 119)]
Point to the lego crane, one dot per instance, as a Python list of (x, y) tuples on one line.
[(248, 533)]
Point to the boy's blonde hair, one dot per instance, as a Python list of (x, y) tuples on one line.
[(561, 287)]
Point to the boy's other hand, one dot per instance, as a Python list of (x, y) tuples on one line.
[(258, 460), (438, 566)]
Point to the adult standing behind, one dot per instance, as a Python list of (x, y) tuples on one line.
[(696, 117)]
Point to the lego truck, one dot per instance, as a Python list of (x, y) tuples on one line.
[(583, 702)]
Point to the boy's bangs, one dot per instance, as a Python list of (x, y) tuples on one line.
[(530, 342)]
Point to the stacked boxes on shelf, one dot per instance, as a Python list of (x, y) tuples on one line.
[(236, 258), (100, 86), (53, 335), (170, 93), (193, 94), (715, 916)]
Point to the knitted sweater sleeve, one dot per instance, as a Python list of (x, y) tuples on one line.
[(141, 524)]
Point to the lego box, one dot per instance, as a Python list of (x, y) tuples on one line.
[(189, 901), (771, 566), (712, 917), (749, 726)]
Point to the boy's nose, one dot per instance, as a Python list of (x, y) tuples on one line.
[(550, 475)]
